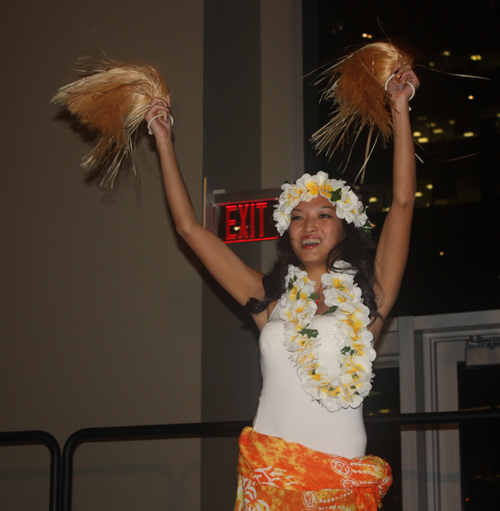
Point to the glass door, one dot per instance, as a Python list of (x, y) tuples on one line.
[(463, 471), (479, 389)]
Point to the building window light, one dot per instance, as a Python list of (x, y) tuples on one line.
[(446, 53), (418, 194), (418, 133), (437, 131), (366, 36), (423, 140), (372, 199), (476, 57), (429, 186), (451, 122), (468, 134), (471, 96)]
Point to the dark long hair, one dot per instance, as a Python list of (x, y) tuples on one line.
[(357, 249)]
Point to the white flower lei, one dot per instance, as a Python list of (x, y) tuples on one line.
[(353, 338), (348, 206)]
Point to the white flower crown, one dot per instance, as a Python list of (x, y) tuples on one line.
[(348, 205)]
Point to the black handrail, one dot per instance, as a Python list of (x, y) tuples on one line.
[(432, 417), (218, 429), (44, 438), (187, 430)]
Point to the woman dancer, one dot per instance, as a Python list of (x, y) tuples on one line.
[(318, 311)]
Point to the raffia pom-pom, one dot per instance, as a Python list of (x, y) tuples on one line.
[(112, 99), (356, 89)]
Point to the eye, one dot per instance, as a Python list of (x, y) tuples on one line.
[(325, 215), (296, 217)]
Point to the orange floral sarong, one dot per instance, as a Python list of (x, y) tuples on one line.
[(276, 475)]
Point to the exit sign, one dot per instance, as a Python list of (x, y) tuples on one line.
[(250, 220), (239, 217)]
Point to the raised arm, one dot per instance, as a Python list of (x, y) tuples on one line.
[(393, 246), (239, 280)]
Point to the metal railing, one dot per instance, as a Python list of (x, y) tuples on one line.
[(46, 439), (154, 432), (62, 474)]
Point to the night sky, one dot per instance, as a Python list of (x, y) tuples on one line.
[(454, 260)]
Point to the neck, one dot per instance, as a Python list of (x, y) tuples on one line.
[(315, 272)]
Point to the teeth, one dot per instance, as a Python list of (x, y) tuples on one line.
[(311, 242)]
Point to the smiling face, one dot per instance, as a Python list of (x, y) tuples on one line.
[(315, 229)]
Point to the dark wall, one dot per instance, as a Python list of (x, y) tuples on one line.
[(232, 159), (100, 309)]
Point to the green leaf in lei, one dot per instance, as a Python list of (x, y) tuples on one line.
[(345, 350), (336, 195), (331, 310), (314, 296), (312, 333), (367, 228)]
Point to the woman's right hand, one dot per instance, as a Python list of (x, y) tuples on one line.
[(161, 126)]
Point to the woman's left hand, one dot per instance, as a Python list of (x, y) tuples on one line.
[(403, 84)]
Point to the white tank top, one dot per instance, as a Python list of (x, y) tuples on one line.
[(287, 411)]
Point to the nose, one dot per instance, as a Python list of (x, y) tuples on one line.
[(310, 225)]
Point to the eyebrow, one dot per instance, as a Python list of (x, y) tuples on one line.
[(320, 207)]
